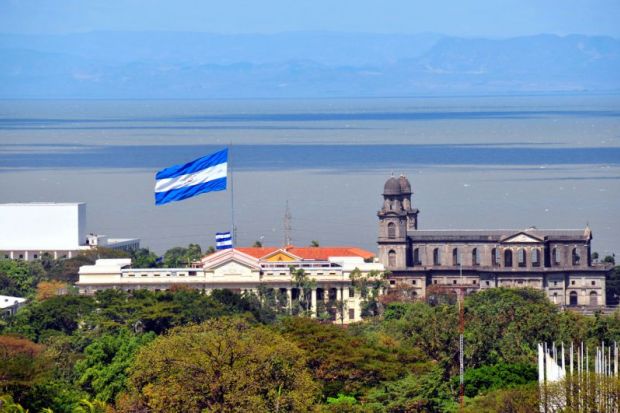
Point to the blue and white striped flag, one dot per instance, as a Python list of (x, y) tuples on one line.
[(202, 175), (223, 240)]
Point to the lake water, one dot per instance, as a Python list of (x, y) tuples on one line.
[(476, 162)]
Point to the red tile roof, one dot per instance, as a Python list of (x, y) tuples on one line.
[(309, 253)]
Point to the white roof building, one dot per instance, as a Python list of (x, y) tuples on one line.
[(31, 229), (9, 305)]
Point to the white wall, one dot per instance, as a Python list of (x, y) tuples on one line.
[(42, 226)]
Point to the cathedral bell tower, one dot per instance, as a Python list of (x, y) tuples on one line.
[(396, 217)]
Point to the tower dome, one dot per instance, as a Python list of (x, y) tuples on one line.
[(392, 187), (405, 186)]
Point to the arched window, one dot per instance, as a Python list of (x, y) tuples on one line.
[(576, 257), (456, 257), (416, 256), (522, 257), (555, 259), (508, 258), (475, 257), (535, 257), (494, 257), (593, 298), (391, 230), (392, 258), (436, 257), (572, 298)]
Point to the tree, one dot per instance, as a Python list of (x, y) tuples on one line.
[(61, 314), (503, 324), (610, 259), (304, 285), (257, 244), (103, 371), (144, 258), (341, 362), (49, 289), (19, 277), (21, 364), (223, 365), (314, 243), (182, 257)]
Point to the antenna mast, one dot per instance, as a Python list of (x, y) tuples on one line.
[(287, 225)]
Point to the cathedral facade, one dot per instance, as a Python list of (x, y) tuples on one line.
[(556, 261)]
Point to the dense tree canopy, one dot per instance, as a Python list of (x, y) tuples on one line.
[(140, 351), (222, 365)]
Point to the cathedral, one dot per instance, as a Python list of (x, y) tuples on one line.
[(556, 261)]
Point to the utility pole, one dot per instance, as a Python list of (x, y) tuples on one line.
[(287, 225), (461, 358)]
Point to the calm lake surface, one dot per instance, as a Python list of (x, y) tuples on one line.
[(484, 162)]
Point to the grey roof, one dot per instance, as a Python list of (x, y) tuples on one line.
[(405, 185), (392, 187), (495, 235)]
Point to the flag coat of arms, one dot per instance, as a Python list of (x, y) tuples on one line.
[(202, 175)]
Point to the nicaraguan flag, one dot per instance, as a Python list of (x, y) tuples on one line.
[(179, 182), (223, 240)]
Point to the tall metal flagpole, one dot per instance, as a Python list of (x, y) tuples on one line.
[(233, 231)]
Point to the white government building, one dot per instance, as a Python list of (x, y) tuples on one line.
[(29, 230), (247, 269)]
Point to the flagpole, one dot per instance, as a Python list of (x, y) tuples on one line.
[(232, 197)]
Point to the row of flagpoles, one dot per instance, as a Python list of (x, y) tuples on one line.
[(579, 389)]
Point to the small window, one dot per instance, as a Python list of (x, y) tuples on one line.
[(132, 275), (392, 282), (414, 282), (144, 275), (522, 257), (488, 282), (392, 258), (475, 257), (434, 281), (593, 282), (391, 230), (436, 256), (21, 256), (576, 257), (474, 282), (35, 256), (351, 314), (155, 275), (555, 283), (416, 256), (456, 257), (494, 257), (508, 258), (351, 292), (572, 282), (192, 273), (6, 256), (453, 281)]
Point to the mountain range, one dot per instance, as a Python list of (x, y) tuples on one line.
[(301, 64)]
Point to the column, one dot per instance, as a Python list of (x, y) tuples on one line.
[(289, 299), (345, 306), (26, 256), (313, 303)]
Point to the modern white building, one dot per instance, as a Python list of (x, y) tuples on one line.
[(29, 230), (250, 269), (9, 305)]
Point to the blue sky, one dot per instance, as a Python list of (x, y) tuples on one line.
[(492, 18)]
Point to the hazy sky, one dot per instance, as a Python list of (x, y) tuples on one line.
[(497, 18)]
